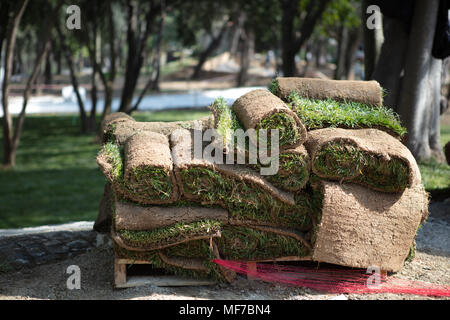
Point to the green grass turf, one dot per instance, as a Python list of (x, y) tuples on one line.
[(144, 182), (170, 234), (236, 242), (316, 114), (243, 200), (56, 179), (292, 170), (338, 161), (245, 243)]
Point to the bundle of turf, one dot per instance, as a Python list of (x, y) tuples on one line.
[(244, 243), (316, 110), (187, 247), (244, 193), (365, 92), (362, 228), (142, 172), (365, 156), (118, 127), (294, 163), (179, 211), (259, 109)]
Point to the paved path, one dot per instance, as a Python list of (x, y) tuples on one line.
[(36, 246)]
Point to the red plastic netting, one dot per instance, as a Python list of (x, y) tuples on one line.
[(334, 280)]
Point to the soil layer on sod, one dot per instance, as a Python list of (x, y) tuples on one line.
[(118, 127), (132, 217), (361, 228), (260, 109), (366, 92), (294, 163), (369, 157)]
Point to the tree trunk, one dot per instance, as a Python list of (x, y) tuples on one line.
[(339, 72), (9, 152), (96, 69), (413, 108), (319, 44), (109, 83), (11, 142), (247, 52), (213, 45), (73, 78), (435, 99), (289, 11), (373, 39), (290, 43), (136, 40), (352, 46), (156, 70), (48, 79), (391, 61), (236, 32)]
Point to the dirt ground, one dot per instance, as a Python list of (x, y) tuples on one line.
[(49, 282), (431, 264)]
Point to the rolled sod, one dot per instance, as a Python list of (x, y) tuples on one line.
[(260, 109), (244, 243), (294, 163), (142, 172), (361, 228), (293, 172), (159, 238), (366, 92), (317, 114), (368, 157), (128, 216), (225, 121), (240, 190), (119, 127)]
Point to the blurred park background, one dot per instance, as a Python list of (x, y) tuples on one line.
[(66, 64)]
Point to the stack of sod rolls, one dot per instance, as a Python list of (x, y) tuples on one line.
[(347, 191)]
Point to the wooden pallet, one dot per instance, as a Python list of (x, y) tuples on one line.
[(122, 280)]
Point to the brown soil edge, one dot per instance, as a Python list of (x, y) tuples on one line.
[(133, 217), (123, 126), (185, 263), (258, 104), (182, 155), (367, 92), (372, 141), (361, 228)]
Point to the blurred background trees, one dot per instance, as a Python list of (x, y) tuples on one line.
[(125, 47)]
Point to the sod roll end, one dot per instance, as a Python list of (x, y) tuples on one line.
[(260, 109), (361, 228), (367, 92)]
